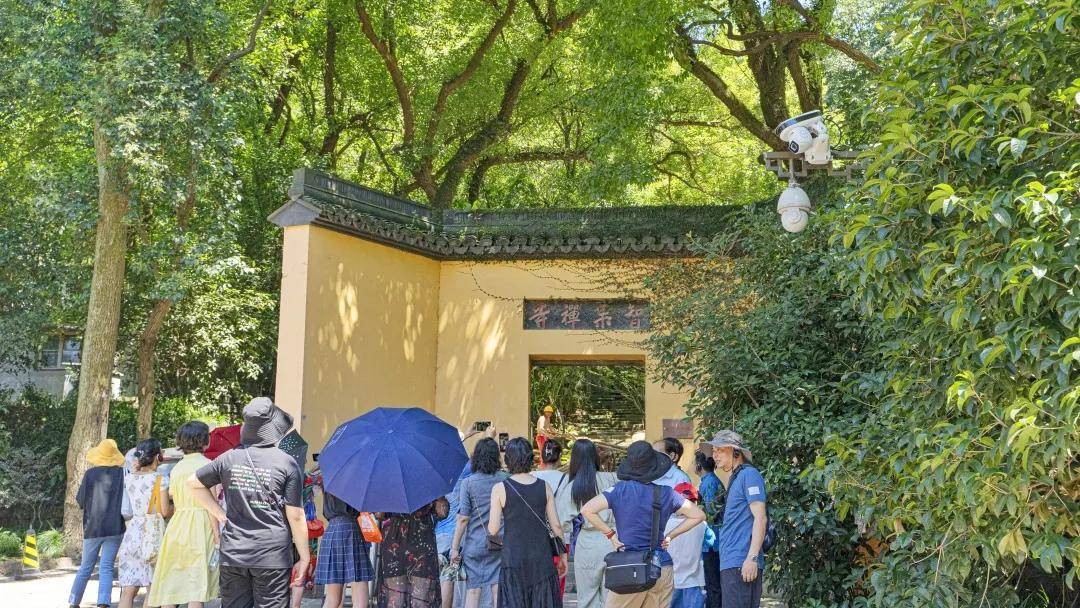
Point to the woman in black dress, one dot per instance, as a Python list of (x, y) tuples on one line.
[(524, 507), (409, 560)]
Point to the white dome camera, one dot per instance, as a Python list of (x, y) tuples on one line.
[(806, 134), (793, 207)]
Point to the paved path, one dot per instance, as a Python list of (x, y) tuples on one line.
[(50, 591)]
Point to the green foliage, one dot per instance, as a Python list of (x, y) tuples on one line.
[(50, 544), (759, 335), (30, 480), (962, 252), (169, 414), (217, 348), (603, 402), (10, 544), (33, 425)]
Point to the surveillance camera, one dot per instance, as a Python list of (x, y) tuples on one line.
[(793, 207), (807, 134)]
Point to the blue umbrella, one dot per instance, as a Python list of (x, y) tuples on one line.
[(392, 460)]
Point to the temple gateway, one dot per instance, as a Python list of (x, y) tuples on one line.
[(387, 302)]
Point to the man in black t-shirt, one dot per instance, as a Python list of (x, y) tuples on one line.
[(264, 517)]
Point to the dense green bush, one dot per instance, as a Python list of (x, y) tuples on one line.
[(761, 337), (964, 258), (34, 431), (10, 544), (50, 544), (169, 414)]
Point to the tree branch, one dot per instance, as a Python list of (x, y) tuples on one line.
[(281, 99), (539, 15), (390, 61), (688, 59), (764, 40), (855, 54), (452, 85), (802, 87), (525, 156), (224, 64), (688, 122), (492, 131)]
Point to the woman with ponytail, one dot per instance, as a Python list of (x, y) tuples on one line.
[(144, 494)]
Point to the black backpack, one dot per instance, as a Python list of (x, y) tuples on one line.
[(627, 572)]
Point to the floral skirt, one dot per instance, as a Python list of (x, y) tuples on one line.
[(134, 571)]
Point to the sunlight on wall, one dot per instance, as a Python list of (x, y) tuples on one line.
[(364, 325)]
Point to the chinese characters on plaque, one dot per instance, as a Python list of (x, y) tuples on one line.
[(587, 314)]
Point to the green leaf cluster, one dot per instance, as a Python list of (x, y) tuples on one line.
[(760, 335), (961, 249)]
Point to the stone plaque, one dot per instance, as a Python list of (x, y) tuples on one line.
[(587, 314), (678, 428)]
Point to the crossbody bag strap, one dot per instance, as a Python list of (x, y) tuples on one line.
[(529, 507), (259, 482), (730, 483), (562, 480), (654, 534), (155, 497)]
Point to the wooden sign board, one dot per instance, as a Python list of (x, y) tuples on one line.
[(587, 314), (678, 428)]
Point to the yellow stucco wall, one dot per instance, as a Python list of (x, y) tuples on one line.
[(364, 324), (484, 352), (368, 327)]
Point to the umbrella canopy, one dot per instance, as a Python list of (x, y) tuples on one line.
[(392, 460), (294, 445), (222, 439)]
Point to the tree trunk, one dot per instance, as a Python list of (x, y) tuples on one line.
[(145, 379), (102, 327)]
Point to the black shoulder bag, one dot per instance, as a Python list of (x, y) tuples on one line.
[(628, 572)]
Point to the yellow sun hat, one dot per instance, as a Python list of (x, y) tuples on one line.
[(105, 454)]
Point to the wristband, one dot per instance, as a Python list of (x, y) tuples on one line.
[(609, 534)]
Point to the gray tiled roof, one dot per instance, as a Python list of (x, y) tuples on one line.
[(659, 231)]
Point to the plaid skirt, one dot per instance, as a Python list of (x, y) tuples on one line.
[(343, 554)]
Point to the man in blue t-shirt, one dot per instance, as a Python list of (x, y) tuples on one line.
[(743, 529)]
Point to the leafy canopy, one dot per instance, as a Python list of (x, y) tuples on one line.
[(962, 252)]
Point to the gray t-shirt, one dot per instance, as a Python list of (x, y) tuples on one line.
[(257, 533), (475, 502)]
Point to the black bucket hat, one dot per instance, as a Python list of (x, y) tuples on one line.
[(264, 423), (643, 463)]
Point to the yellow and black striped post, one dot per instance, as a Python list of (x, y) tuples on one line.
[(30, 554)]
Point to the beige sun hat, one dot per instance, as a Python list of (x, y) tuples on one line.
[(731, 439)]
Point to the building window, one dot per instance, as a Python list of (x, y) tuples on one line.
[(60, 350), (72, 350)]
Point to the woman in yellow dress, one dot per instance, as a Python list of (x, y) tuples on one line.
[(184, 573)]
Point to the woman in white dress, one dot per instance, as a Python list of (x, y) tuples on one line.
[(136, 572)]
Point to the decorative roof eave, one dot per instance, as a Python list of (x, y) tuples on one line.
[(322, 200)]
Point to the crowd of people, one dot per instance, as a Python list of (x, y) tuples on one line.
[(515, 520)]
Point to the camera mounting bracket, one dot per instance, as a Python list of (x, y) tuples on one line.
[(787, 165)]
